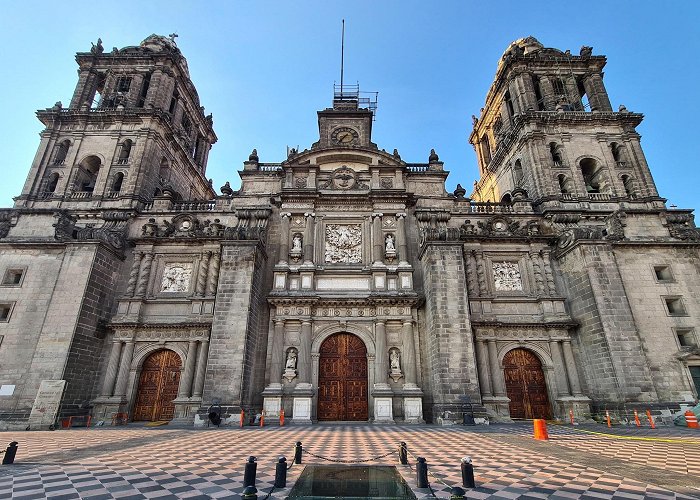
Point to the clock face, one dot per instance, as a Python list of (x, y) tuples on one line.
[(344, 136)]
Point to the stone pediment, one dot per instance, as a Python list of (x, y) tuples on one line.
[(324, 156)]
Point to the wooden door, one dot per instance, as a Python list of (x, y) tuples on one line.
[(342, 379), (158, 386), (525, 385)]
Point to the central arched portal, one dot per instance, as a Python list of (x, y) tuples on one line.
[(342, 378), (525, 385), (158, 385)]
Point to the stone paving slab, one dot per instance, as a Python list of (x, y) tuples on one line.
[(134, 462)]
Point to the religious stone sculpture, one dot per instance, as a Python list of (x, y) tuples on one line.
[(297, 246), (290, 365), (343, 244), (389, 247), (176, 278), (506, 276), (395, 364)]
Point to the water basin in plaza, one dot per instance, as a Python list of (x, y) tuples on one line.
[(320, 482)]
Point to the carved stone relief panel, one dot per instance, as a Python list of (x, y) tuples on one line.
[(506, 276), (343, 244), (176, 277)]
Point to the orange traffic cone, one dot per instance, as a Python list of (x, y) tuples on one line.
[(691, 420), (282, 417), (636, 419), (540, 427), (242, 417), (651, 420), (571, 416), (607, 417)]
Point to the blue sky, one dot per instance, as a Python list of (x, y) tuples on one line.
[(264, 68)]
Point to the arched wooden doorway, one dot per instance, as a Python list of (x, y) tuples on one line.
[(342, 378), (158, 385), (525, 385)]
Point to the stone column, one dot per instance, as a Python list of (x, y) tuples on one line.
[(185, 388), (378, 246), (481, 273), (571, 368), (401, 237), (380, 360), (409, 355), (538, 272), (559, 368), (124, 367), (304, 360), (284, 237), (112, 367), (202, 353), (202, 274), (548, 272), (482, 366), (547, 93), (213, 274), (277, 359), (309, 239), (497, 380), (134, 274), (144, 275)]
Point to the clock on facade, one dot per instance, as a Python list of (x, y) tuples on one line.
[(344, 136)]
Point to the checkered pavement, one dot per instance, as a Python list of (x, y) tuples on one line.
[(136, 462)]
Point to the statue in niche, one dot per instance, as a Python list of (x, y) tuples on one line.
[(297, 244), (395, 364), (290, 366), (390, 247)]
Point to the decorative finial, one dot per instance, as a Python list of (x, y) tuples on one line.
[(433, 158), (622, 109), (172, 37), (460, 192), (396, 154), (475, 120), (253, 156), (226, 189)]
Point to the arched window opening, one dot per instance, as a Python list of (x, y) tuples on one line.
[(164, 171), (125, 152), (86, 177), (61, 152), (96, 99), (52, 184), (555, 153), (485, 150), (538, 92), (509, 104), (592, 176), (628, 183), (584, 103), (118, 180), (144, 90), (518, 173), (618, 154), (506, 199), (563, 184)]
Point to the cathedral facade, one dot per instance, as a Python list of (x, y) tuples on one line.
[(344, 283)]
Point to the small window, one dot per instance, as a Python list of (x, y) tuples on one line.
[(686, 337), (674, 306), (13, 277), (5, 311), (123, 84), (663, 273)]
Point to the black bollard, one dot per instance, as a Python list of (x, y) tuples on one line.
[(250, 493), (297, 453), (457, 493), (10, 453), (251, 468), (281, 473), (468, 473), (403, 453), (422, 473)]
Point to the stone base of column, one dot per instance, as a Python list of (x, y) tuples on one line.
[(104, 408), (497, 408), (186, 409), (301, 410), (413, 410), (581, 406), (383, 412), (272, 406)]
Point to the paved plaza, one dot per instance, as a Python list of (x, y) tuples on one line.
[(136, 462)]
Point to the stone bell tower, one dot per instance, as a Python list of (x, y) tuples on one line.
[(548, 129), (134, 129)]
